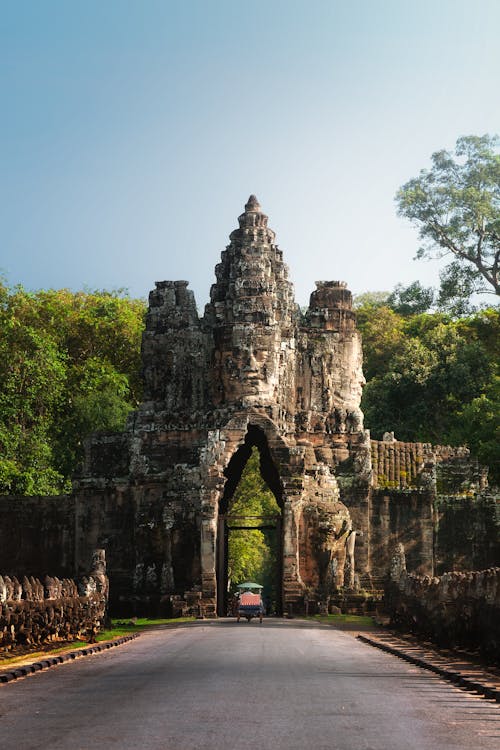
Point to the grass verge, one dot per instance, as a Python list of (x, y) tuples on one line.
[(362, 621), (119, 628)]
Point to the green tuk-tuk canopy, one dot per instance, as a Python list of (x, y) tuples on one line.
[(249, 585)]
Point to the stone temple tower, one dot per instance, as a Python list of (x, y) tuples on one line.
[(251, 316), (253, 371)]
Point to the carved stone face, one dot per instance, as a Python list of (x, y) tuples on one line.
[(249, 371), (258, 371)]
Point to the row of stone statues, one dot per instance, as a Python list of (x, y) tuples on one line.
[(32, 590), (339, 420), (454, 609), (480, 585), (32, 612)]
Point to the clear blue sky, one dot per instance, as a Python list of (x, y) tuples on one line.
[(132, 133)]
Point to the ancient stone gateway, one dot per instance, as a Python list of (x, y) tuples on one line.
[(253, 371)]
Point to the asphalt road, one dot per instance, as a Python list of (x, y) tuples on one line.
[(282, 684)]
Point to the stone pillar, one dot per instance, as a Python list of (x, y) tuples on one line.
[(167, 585), (207, 553), (293, 588)]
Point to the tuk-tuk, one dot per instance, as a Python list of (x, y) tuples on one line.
[(249, 603)]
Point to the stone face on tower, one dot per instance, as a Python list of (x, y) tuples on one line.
[(253, 348), (252, 316), (256, 371)]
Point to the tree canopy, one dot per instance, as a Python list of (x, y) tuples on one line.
[(456, 207), (433, 378), (69, 365)]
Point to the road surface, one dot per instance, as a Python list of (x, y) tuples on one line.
[(213, 685)]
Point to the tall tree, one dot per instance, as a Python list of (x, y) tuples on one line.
[(412, 299), (435, 379), (69, 365), (456, 206)]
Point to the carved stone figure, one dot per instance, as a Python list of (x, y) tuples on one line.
[(325, 526), (9, 589), (350, 544), (398, 562), (98, 571), (17, 592), (27, 589)]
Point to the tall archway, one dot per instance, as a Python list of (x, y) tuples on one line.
[(254, 438)]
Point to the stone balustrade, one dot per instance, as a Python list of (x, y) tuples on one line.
[(32, 612), (454, 610)]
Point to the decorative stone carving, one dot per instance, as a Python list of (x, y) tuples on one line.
[(251, 371), (98, 572), (398, 563), (32, 613), (456, 609), (350, 568)]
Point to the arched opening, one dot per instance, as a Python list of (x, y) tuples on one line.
[(249, 533)]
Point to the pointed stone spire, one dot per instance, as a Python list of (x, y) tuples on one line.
[(252, 205), (254, 218), (252, 280)]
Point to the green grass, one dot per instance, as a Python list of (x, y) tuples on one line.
[(117, 630), (143, 622), (121, 627), (364, 621)]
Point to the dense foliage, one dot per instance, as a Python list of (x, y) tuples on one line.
[(69, 364), (431, 377), (456, 207), (252, 554)]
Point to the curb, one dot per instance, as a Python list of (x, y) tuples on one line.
[(26, 669), (485, 689)]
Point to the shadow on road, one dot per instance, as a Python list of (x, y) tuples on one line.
[(272, 622)]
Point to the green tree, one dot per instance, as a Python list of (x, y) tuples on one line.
[(252, 553), (439, 384), (32, 374), (98, 399), (70, 364), (382, 330), (477, 424), (367, 300), (412, 299), (456, 206)]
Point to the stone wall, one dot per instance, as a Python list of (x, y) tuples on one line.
[(37, 534), (405, 517), (467, 532), (399, 465), (454, 610), (149, 543), (434, 500)]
